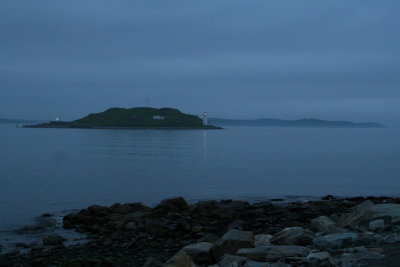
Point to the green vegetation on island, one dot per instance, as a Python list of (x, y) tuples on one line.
[(141, 117)]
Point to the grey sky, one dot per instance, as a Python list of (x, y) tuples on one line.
[(234, 59)]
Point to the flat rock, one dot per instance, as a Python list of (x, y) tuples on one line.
[(359, 214), (278, 252), (318, 256), (199, 252), (256, 254), (335, 240), (292, 236), (383, 210), (326, 225), (231, 242)]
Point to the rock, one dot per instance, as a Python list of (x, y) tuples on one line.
[(279, 252), (255, 264), (199, 252), (325, 225), (180, 259), (229, 260), (53, 240), (257, 254), (359, 214), (386, 210), (335, 240), (292, 236), (231, 242), (317, 257), (262, 240), (377, 250), (376, 225), (173, 204), (152, 262)]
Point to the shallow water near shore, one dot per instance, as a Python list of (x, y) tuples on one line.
[(51, 170)]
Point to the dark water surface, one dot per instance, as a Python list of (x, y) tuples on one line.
[(50, 170)]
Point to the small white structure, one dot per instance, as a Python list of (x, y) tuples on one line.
[(158, 118), (205, 122)]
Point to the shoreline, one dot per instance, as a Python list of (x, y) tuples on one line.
[(124, 128), (351, 230)]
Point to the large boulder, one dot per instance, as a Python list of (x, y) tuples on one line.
[(335, 240), (359, 214), (231, 241), (200, 253), (172, 204), (325, 225), (385, 210), (279, 252), (292, 236)]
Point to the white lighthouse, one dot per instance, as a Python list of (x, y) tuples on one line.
[(205, 122)]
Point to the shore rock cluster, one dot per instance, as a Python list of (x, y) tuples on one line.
[(329, 232)]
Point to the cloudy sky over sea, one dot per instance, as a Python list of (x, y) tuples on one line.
[(234, 59)]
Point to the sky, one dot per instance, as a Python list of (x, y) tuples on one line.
[(336, 60)]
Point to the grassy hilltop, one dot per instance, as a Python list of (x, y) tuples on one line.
[(141, 117)]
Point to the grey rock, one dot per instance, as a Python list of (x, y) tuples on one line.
[(264, 264), (200, 253), (257, 254), (386, 210), (335, 240), (292, 236), (359, 214), (53, 240), (376, 225), (229, 260), (279, 252), (318, 256), (231, 242), (262, 240), (325, 225)]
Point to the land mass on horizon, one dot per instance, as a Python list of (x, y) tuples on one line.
[(294, 123), (139, 117)]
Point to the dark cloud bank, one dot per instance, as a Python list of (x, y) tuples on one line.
[(234, 59)]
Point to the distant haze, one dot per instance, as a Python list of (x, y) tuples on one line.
[(335, 60)]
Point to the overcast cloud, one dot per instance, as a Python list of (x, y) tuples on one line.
[(234, 59)]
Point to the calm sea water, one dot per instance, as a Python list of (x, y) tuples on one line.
[(49, 170)]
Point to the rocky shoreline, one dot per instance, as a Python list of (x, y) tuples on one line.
[(332, 231)]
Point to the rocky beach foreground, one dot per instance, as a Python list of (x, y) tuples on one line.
[(329, 232)]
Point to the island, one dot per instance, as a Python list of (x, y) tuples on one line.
[(132, 118), (295, 123)]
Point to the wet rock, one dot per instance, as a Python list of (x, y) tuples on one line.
[(262, 240), (256, 254), (199, 252), (180, 259), (325, 225), (152, 262), (279, 252), (292, 236), (231, 242), (229, 260), (335, 240), (53, 240), (376, 225)]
